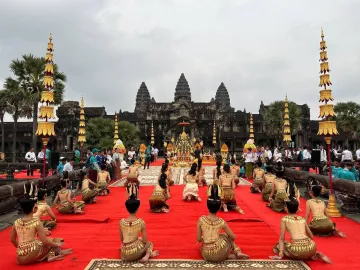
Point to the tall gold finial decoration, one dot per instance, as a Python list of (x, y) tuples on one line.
[(214, 135), (287, 131), (116, 129), (327, 126), (152, 134), (251, 127), (82, 133), (45, 128)]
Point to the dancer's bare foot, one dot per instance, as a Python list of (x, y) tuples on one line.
[(154, 254), (55, 258), (323, 257), (242, 256), (165, 210), (341, 234), (79, 212), (146, 257), (241, 211), (276, 257), (188, 198), (199, 199), (225, 208), (47, 232), (65, 252)]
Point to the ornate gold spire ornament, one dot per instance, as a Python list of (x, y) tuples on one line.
[(45, 128), (214, 135), (251, 127), (116, 129), (327, 126), (82, 133), (287, 131), (152, 134)]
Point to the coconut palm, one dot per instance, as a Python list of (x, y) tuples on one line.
[(348, 119), (18, 106), (4, 106), (29, 72)]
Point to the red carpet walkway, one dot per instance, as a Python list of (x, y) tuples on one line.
[(95, 235)]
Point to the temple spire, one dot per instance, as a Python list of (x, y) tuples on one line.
[(222, 95), (287, 131), (182, 90), (116, 129), (81, 133), (45, 128), (326, 127), (142, 98), (251, 127)]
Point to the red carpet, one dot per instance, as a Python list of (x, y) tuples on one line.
[(22, 175), (174, 234)]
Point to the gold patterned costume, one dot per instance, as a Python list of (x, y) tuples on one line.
[(216, 247), (278, 204), (158, 200), (30, 249), (42, 212), (102, 183), (235, 170), (228, 192), (66, 207), (320, 224), (269, 178), (202, 179), (191, 187), (258, 180), (88, 195), (133, 248), (301, 247), (132, 176)]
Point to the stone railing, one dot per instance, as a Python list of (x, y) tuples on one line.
[(13, 191)]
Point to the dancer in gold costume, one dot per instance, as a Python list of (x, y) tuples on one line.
[(301, 246), (227, 183), (165, 169), (159, 196), (320, 223), (191, 189), (258, 176), (88, 195), (235, 171), (103, 180), (279, 190), (44, 210), (269, 179), (216, 246), (169, 173), (24, 234), (201, 172), (67, 206), (133, 247), (133, 175), (217, 171)]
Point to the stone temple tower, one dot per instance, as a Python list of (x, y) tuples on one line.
[(182, 90), (222, 96), (142, 98)]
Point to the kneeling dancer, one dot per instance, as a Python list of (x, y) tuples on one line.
[(67, 206), (134, 247), (191, 189), (216, 246), (301, 246), (44, 211), (103, 180), (159, 196)]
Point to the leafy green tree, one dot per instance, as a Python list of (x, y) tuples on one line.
[(4, 107), (29, 72), (348, 119), (100, 133), (274, 119), (19, 106)]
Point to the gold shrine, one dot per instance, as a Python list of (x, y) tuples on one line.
[(182, 151)]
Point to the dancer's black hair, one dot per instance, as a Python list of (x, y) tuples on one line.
[(83, 174), (279, 170), (64, 182), (269, 168), (213, 202), (27, 204), (226, 168), (199, 164), (133, 203), (233, 161), (162, 180), (41, 194), (218, 168), (316, 190), (193, 169), (164, 167), (259, 163), (167, 161), (292, 205)]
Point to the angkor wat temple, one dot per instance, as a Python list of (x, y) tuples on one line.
[(232, 126)]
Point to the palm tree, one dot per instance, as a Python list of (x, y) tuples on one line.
[(17, 99), (348, 119), (3, 109), (29, 71)]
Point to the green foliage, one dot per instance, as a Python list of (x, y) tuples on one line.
[(348, 117), (100, 133), (274, 119)]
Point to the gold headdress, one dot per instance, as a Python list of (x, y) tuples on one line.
[(33, 192), (132, 190), (196, 161)]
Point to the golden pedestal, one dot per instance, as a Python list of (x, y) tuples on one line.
[(332, 209)]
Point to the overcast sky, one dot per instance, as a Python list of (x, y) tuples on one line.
[(260, 49)]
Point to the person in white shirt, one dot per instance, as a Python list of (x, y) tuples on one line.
[(131, 155), (69, 166), (357, 154), (323, 159), (346, 155), (156, 153), (288, 154), (268, 153), (123, 165), (277, 156), (306, 157), (250, 159), (30, 157)]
